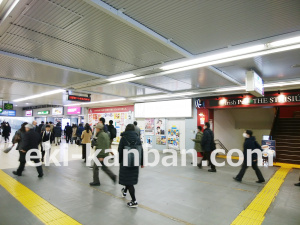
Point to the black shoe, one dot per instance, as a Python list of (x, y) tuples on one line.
[(94, 184), (123, 193), (42, 160), (199, 166), (40, 175), (237, 179), (16, 173), (211, 170), (115, 179), (260, 181), (298, 184), (132, 204)]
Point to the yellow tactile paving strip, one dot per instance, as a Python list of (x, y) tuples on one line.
[(42, 209), (254, 214)]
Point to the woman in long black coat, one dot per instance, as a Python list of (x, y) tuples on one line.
[(6, 132), (128, 176)]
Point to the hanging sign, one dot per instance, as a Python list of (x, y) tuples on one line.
[(78, 98)]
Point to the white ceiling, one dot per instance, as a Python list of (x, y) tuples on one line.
[(76, 44)]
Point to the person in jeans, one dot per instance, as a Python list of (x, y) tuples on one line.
[(86, 139), (103, 143), (250, 143), (208, 145), (30, 141), (198, 146), (57, 134), (128, 176)]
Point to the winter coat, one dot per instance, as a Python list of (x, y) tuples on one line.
[(250, 143), (79, 131), (31, 140), (128, 175), (68, 130), (6, 131), (207, 141), (103, 143), (197, 141), (19, 132), (57, 131), (86, 137)]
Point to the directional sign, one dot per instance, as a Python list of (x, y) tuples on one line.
[(1, 110)]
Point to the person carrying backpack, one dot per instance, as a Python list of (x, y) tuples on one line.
[(128, 175)]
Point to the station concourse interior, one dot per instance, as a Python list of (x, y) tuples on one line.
[(189, 84)]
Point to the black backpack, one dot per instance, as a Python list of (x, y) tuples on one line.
[(131, 158)]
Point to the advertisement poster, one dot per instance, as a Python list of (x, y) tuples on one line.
[(142, 137), (149, 141), (161, 140), (269, 148), (160, 126), (173, 138), (149, 126), (57, 111)]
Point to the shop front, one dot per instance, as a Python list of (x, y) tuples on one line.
[(231, 115)]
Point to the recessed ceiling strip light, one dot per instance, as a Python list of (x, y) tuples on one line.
[(163, 96), (40, 95), (273, 47), (122, 77), (103, 101)]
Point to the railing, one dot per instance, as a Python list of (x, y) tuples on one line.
[(275, 120), (218, 142)]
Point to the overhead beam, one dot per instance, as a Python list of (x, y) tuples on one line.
[(118, 14), (223, 75)]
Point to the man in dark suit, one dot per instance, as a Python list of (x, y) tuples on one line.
[(208, 145), (31, 141), (68, 132), (47, 139)]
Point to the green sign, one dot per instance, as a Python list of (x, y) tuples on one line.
[(43, 112), (1, 110), (8, 106)]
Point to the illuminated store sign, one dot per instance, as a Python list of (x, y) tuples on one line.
[(79, 98), (47, 112)]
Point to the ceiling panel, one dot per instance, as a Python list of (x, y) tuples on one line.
[(273, 67), (200, 26), (190, 79), (27, 71), (73, 33), (125, 90)]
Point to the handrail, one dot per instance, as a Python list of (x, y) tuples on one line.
[(275, 120), (217, 141)]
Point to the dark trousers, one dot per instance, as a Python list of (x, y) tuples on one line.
[(83, 151), (6, 138), (206, 156), (131, 190), (105, 170), (256, 169), (68, 138), (23, 162)]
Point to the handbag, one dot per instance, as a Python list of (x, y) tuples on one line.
[(7, 150)]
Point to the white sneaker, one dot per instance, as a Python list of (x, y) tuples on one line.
[(132, 204)]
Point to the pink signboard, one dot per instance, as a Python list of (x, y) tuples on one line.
[(74, 110), (28, 113)]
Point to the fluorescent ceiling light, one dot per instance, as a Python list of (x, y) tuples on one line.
[(122, 77), (258, 50), (280, 84), (163, 96), (39, 95), (127, 80), (103, 101), (230, 89)]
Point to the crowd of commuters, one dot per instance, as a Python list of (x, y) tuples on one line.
[(31, 136)]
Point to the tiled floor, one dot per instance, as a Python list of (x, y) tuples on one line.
[(167, 195)]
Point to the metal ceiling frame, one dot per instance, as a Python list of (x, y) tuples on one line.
[(118, 14)]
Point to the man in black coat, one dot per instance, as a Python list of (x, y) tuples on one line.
[(68, 131), (31, 141), (208, 145), (250, 143)]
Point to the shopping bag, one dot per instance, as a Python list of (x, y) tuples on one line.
[(7, 150)]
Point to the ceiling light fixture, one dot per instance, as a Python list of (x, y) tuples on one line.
[(40, 95), (122, 77), (280, 84), (249, 52), (126, 80), (230, 89), (164, 96), (103, 101)]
